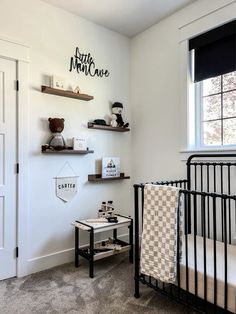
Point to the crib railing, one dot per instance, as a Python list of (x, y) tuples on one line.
[(215, 176), (201, 214)]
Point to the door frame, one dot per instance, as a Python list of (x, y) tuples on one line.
[(19, 52)]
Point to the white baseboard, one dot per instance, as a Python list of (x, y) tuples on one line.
[(58, 258), (50, 260)]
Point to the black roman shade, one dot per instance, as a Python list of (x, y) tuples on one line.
[(214, 52)]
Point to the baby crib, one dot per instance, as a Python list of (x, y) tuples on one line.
[(206, 271)]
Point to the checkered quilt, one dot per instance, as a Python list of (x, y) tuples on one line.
[(159, 237)]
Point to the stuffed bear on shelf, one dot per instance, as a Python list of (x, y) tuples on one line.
[(56, 126), (116, 117)]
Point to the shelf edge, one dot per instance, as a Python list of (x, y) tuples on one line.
[(106, 127), (98, 178), (65, 93)]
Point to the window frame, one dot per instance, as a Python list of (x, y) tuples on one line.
[(196, 25), (198, 104)]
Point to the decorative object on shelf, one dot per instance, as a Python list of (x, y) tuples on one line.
[(110, 167), (106, 210), (77, 89), (84, 63), (116, 117), (58, 82), (65, 93), (98, 178), (109, 244), (56, 126), (79, 143), (66, 183), (99, 122), (92, 125)]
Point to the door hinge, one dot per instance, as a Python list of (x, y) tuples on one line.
[(17, 168), (17, 85), (17, 252)]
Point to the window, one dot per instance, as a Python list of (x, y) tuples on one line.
[(216, 110), (213, 63)]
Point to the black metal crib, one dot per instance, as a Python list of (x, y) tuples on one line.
[(206, 276)]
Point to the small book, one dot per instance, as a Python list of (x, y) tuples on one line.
[(79, 143)]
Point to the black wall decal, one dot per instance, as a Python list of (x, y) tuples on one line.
[(84, 63)]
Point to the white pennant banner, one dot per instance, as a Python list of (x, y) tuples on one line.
[(66, 188)]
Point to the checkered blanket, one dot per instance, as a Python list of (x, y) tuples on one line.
[(159, 237)]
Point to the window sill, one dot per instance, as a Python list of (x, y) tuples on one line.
[(208, 150)]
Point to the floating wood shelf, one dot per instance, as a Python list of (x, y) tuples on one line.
[(46, 150), (65, 93), (106, 127), (98, 177)]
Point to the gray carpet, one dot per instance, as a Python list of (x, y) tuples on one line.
[(65, 289)]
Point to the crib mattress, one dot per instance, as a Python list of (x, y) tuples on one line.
[(210, 271)]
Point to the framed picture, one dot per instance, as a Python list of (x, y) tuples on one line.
[(58, 82), (110, 167)]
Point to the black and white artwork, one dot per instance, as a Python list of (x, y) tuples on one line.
[(84, 63)]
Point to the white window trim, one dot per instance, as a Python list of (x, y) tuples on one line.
[(223, 12)]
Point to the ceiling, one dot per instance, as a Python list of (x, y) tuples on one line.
[(128, 17)]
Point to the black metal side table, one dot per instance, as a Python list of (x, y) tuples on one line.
[(93, 227)]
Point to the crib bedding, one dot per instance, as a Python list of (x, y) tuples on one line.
[(231, 255)]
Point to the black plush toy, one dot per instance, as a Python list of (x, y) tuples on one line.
[(116, 118)]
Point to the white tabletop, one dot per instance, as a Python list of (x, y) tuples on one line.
[(101, 224)]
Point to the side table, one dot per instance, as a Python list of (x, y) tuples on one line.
[(92, 254)]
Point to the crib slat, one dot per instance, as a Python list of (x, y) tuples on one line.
[(201, 178), (229, 191), (186, 199), (195, 243), (136, 229), (222, 215), (208, 203), (214, 249), (195, 176), (142, 199), (214, 177), (178, 248), (204, 246), (201, 187), (225, 255)]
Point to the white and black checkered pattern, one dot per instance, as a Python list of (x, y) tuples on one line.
[(159, 237)]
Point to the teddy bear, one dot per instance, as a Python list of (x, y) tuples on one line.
[(56, 126), (116, 117)]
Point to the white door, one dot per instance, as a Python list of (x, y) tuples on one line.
[(8, 176)]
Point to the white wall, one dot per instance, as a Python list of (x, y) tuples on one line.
[(158, 117), (53, 35), (154, 83)]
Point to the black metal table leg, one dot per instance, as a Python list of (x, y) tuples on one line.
[(76, 247), (115, 234), (131, 251), (136, 234), (91, 259)]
